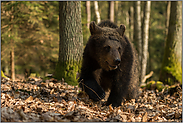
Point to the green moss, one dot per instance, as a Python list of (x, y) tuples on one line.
[(159, 85), (149, 84), (32, 75), (68, 71), (173, 68)]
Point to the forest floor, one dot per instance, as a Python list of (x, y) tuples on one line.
[(54, 101)]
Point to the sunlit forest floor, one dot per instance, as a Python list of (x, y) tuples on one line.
[(50, 100)]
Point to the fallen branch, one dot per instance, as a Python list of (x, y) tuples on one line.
[(147, 76)]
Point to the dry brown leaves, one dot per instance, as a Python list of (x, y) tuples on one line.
[(55, 101)]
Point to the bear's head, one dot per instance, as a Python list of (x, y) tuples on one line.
[(108, 45)]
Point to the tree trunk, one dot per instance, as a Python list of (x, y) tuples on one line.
[(71, 41), (12, 63), (127, 24), (131, 22), (111, 11), (137, 30), (171, 70), (6, 69), (119, 13), (167, 18), (96, 11), (88, 12), (116, 12), (145, 36)]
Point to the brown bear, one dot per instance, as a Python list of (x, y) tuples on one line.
[(109, 62)]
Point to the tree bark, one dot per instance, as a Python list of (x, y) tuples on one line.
[(96, 11), (6, 69), (111, 11), (127, 33), (119, 13), (131, 22), (71, 41), (88, 12), (137, 30), (171, 70), (116, 12), (12, 62), (145, 36), (167, 18)]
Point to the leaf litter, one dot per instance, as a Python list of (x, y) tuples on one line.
[(56, 101)]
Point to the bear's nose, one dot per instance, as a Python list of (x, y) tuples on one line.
[(117, 61)]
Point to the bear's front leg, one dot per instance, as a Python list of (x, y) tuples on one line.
[(117, 95), (93, 89)]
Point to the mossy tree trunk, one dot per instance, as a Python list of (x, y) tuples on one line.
[(71, 41), (171, 70)]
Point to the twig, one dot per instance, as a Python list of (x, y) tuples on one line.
[(147, 76), (89, 88)]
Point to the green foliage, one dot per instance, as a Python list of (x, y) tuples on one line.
[(35, 34)]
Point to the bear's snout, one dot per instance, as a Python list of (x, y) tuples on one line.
[(117, 61)]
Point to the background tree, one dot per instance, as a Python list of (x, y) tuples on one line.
[(137, 30), (71, 41), (111, 11), (35, 39), (116, 12), (131, 23), (97, 11), (88, 13), (156, 38), (12, 34), (145, 36), (86, 16), (171, 70), (127, 32), (167, 17)]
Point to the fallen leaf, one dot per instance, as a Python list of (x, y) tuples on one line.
[(144, 117), (110, 107), (29, 99)]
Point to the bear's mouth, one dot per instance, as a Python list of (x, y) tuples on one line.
[(112, 66)]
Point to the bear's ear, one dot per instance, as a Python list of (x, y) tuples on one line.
[(121, 29), (94, 29)]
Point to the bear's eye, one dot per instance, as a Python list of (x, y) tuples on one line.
[(107, 48)]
